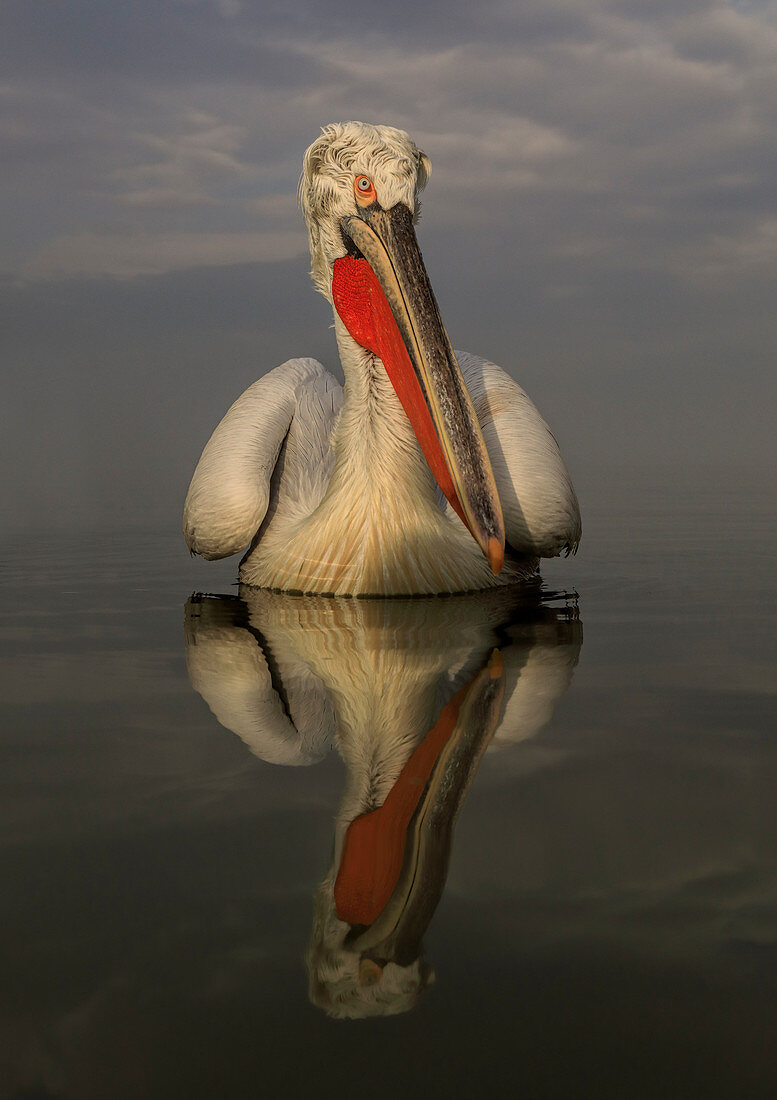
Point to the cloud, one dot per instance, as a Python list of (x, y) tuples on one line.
[(553, 110), (722, 257), (600, 213), (87, 255), (184, 165)]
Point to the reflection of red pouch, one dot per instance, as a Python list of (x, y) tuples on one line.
[(375, 842)]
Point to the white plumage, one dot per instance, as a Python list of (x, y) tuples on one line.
[(294, 677), (327, 485)]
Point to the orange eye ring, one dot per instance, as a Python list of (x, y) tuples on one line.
[(364, 189)]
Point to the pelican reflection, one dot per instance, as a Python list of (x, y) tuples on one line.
[(411, 694)]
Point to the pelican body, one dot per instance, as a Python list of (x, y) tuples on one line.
[(412, 694), (429, 471)]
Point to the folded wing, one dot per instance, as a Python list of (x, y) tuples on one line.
[(542, 516), (255, 684), (232, 485)]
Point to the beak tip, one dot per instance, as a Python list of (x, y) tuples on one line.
[(496, 555), (369, 972), (496, 665)]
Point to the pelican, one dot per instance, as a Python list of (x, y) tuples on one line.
[(430, 471), (412, 694)]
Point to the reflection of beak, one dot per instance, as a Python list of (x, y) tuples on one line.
[(370, 972), (396, 932), (406, 330)]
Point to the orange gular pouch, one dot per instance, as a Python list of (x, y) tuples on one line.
[(374, 845), (364, 310)]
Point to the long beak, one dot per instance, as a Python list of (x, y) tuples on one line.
[(397, 931), (386, 239)]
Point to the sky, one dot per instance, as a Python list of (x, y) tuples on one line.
[(601, 221)]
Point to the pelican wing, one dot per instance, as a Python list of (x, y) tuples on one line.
[(233, 483), (541, 513), (259, 689), (538, 670), (540, 651)]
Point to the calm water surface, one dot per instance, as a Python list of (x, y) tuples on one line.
[(227, 823)]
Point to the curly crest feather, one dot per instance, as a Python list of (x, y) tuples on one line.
[(388, 156)]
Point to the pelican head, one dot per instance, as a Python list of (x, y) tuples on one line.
[(396, 167), (359, 194)]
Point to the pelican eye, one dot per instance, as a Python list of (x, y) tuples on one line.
[(365, 190)]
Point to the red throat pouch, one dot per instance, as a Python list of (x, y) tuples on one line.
[(364, 310)]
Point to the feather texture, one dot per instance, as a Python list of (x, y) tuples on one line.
[(230, 490), (293, 676), (326, 485), (540, 507)]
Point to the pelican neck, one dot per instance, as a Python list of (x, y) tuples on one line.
[(372, 421)]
